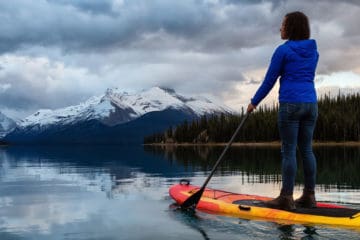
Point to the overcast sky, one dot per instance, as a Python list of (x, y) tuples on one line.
[(56, 53)]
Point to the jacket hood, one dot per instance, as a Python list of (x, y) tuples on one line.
[(304, 48)]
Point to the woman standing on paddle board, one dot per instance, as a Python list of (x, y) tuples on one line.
[(295, 63)]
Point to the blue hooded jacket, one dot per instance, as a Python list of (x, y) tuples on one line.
[(295, 62)]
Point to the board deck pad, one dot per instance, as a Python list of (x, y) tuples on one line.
[(320, 211)]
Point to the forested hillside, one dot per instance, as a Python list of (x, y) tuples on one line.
[(339, 120)]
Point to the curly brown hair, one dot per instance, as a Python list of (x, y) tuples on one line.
[(297, 26)]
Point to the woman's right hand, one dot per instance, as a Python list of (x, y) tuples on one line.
[(251, 108)]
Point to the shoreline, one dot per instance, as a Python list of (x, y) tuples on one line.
[(256, 144)]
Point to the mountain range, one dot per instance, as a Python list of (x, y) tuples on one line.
[(115, 117)]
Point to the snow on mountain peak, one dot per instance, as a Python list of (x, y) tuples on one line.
[(117, 106), (92, 107), (6, 124)]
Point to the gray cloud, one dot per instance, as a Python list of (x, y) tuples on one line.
[(26, 95), (77, 28), (104, 7), (31, 83), (86, 26), (198, 25)]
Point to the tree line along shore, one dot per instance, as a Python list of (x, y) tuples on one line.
[(338, 124)]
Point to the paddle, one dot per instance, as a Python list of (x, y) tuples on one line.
[(194, 199)]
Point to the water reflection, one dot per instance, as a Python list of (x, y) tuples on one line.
[(67, 191), (112, 192), (119, 162), (288, 232), (337, 166)]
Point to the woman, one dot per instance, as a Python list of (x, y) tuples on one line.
[(295, 63)]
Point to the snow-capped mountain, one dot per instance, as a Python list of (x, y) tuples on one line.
[(6, 124), (117, 107), (114, 112)]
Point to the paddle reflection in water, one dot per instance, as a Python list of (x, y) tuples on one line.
[(189, 217)]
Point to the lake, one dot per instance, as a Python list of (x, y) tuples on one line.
[(114, 192)]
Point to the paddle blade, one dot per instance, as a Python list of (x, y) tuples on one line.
[(193, 200)]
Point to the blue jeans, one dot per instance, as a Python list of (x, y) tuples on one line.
[(296, 127)]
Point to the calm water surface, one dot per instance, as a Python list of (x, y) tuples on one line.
[(122, 192)]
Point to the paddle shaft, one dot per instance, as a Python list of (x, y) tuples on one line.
[(194, 199), (225, 150)]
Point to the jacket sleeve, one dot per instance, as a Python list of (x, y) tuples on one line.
[(271, 76)]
